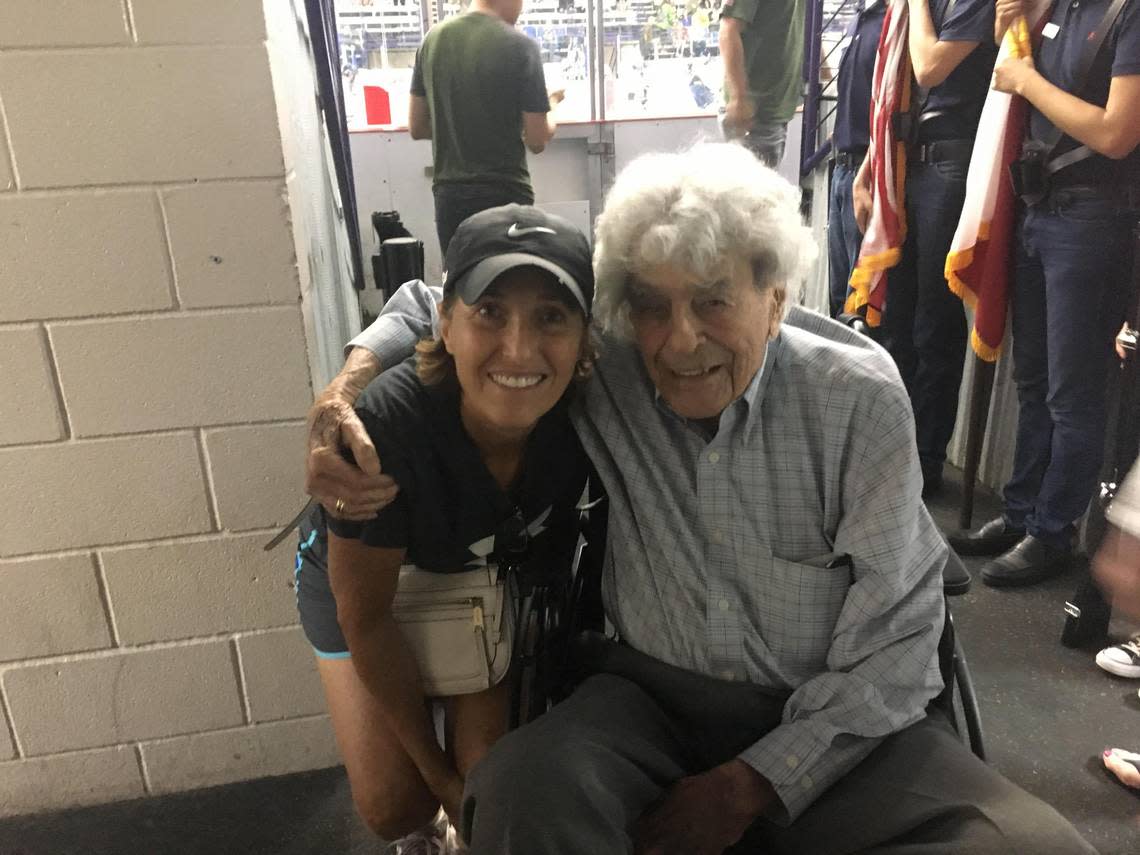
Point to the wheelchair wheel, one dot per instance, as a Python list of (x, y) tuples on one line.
[(538, 655)]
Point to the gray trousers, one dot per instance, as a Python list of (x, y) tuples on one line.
[(766, 140), (577, 779)]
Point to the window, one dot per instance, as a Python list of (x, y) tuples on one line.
[(660, 57)]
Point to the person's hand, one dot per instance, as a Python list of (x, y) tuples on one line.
[(738, 115), (1116, 569), (1012, 75), (1118, 342), (1005, 13), (556, 97), (861, 199), (349, 492), (704, 814)]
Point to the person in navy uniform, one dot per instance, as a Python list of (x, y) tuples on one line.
[(849, 141), (1071, 276), (475, 430), (924, 324)]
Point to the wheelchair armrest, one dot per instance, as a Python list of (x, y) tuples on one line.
[(856, 322)]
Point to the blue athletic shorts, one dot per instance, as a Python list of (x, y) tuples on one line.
[(315, 601)]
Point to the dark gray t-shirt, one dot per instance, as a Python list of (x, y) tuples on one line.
[(479, 75), (450, 514)]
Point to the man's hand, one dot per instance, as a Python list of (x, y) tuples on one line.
[(346, 491), (556, 97), (1005, 13), (704, 814), (861, 198), (1116, 569), (738, 115), (1012, 75)]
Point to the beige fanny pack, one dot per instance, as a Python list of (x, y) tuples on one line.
[(458, 626)]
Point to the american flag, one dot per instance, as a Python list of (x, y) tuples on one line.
[(886, 230), (978, 264)]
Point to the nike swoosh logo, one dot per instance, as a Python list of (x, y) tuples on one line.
[(514, 231)]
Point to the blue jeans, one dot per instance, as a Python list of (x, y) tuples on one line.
[(1071, 268), (843, 236), (454, 203), (924, 323)]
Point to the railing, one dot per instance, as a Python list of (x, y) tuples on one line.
[(826, 21)]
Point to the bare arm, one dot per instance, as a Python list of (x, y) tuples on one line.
[(407, 317), (538, 130), (333, 425), (419, 118), (363, 580), (861, 198), (739, 110), (931, 59), (1111, 130)]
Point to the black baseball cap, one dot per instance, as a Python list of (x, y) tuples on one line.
[(489, 243)]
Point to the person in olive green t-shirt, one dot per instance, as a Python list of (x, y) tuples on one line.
[(479, 94), (763, 71)]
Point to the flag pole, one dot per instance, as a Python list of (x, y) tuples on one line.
[(981, 391)]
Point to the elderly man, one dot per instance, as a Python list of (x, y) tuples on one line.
[(770, 568)]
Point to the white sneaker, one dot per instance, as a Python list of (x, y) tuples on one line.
[(454, 842), (432, 839), (426, 842), (1123, 660)]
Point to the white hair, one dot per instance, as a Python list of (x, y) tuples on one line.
[(697, 210)]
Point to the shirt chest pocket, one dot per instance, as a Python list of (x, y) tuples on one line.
[(798, 607)]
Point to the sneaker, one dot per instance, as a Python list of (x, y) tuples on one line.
[(430, 840), (455, 842), (422, 843), (1123, 660)]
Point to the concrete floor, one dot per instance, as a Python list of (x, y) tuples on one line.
[(1048, 713)]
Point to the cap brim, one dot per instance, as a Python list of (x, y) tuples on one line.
[(478, 279)]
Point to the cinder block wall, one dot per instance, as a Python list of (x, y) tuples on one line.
[(155, 379)]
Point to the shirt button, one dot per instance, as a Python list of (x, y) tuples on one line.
[(728, 675), (806, 781), (725, 605), (793, 761), (717, 536), (714, 457)]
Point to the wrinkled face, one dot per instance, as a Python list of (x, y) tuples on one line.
[(702, 340), (515, 350)]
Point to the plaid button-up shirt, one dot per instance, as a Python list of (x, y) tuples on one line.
[(719, 548)]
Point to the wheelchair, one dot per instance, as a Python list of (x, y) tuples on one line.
[(956, 679), (549, 621)]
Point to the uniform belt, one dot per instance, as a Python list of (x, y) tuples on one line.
[(942, 150), (850, 159)]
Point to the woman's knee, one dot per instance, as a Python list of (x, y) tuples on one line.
[(391, 814)]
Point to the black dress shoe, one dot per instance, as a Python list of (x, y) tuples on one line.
[(1029, 562), (994, 538)]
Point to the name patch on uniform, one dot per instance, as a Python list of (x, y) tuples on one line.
[(1050, 30)]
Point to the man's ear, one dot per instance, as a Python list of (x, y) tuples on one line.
[(779, 294), (444, 326)]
